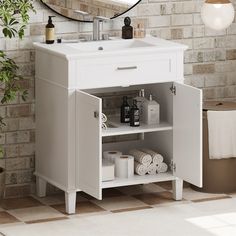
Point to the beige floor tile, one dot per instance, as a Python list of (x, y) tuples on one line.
[(52, 199), (140, 189), (35, 213), (57, 199), (18, 203), (192, 195), (81, 207), (118, 203)]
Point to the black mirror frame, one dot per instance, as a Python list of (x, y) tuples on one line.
[(85, 20)]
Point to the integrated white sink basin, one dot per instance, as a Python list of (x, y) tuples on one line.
[(114, 47), (111, 45)]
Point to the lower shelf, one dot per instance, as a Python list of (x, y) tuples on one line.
[(136, 179)]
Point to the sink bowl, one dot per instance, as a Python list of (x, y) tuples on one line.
[(110, 45)]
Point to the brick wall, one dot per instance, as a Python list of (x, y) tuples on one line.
[(210, 64)]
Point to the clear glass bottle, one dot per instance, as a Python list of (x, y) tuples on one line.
[(140, 31), (140, 100)]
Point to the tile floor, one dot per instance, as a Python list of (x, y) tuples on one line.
[(32, 210)]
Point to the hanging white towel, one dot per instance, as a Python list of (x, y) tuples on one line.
[(156, 157), (222, 134), (141, 157)]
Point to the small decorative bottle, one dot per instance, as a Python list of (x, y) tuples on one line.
[(139, 32), (127, 29), (125, 111), (134, 115)]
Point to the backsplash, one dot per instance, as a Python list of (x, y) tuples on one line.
[(210, 64)]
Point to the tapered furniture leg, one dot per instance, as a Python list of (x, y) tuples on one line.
[(177, 186), (70, 202), (41, 186)]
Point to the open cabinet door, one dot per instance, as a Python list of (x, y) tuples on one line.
[(89, 144), (187, 133)]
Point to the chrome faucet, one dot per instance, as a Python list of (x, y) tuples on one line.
[(96, 26)]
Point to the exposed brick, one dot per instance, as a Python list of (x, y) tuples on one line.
[(19, 111), (203, 69), (231, 54)]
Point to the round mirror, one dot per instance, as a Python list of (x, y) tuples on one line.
[(86, 10)]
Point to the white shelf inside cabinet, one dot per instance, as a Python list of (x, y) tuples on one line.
[(137, 179), (117, 128)]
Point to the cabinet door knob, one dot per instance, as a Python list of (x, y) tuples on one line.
[(127, 68)]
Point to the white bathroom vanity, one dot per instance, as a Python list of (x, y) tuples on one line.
[(69, 137)]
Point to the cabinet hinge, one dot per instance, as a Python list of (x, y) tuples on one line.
[(173, 89), (173, 166)]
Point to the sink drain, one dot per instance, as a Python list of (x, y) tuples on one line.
[(100, 48)]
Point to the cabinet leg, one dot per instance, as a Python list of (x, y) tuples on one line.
[(70, 202), (41, 186), (177, 186)]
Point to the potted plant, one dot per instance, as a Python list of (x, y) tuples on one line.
[(14, 17)]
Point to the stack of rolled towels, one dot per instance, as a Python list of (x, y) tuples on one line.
[(104, 120), (148, 161)]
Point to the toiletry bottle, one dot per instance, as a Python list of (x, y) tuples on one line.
[(50, 31), (151, 112), (125, 111), (134, 115), (139, 32), (140, 100), (127, 29)]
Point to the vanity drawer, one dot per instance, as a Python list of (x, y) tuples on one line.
[(141, 69)]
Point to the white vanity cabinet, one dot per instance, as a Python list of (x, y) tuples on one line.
[(69, 137)]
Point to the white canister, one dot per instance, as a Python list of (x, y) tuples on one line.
[(111, 155), (124, 166)]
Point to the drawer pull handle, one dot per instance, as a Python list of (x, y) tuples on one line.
[(127, 68)]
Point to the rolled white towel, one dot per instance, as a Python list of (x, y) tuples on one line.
[(156, 157), (141, 157), (152, 169), (140, 169), (104, 126), (162, 168), (104, 118)]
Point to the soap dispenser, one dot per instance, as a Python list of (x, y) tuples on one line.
[(50, 31), (127, 29), (151, 112)]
